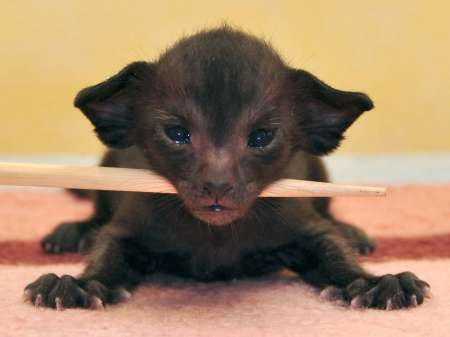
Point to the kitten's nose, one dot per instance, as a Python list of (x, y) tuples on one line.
[(217, 188)]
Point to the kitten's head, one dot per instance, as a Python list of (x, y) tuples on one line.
[(219, 115)]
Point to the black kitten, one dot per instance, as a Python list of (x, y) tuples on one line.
[(221, 116)]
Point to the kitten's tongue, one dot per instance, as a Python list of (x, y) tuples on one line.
[(217, 214), (216, 208)]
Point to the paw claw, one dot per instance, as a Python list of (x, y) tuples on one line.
[(413, 301), (38, 301), (27, 294), (124, 295), (357, 302), (389, 305), (59, 304), (427, 292), (96, 303)]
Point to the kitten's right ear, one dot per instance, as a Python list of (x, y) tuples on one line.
[(110, 105)]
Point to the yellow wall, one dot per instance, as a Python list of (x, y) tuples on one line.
[(397, 51)]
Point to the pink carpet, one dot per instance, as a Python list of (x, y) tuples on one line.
[(412, 226)]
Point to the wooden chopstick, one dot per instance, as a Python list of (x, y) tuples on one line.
[(137, 180)]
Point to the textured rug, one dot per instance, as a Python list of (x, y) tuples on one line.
[(412, 227)]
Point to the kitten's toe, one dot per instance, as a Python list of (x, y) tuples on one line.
[(363, 245), (27, 295), (123, 295), (47, 246), (366, 248), (332, 293), (427, 291)]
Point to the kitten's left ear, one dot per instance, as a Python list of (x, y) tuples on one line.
[(323, 113)]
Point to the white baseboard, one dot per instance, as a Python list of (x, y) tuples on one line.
[(395, 168), (391, 168)]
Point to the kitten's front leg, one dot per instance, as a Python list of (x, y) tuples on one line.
[(324, 260), (112, 268)]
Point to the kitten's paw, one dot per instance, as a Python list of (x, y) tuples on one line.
[(59, 293), (68, 237), (357, 238), (388, 292)]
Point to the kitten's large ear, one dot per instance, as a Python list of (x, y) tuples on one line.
[(110, 105), (323, 113)]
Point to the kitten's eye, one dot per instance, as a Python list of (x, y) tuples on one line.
[(178, 135), (260, 138)]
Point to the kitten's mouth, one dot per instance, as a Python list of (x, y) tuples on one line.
[(216, 208), (217, 214)]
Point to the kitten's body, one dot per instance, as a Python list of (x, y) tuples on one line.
[(186, 246), (221, 116)]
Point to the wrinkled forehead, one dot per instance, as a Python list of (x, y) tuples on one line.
[(224, 92)]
